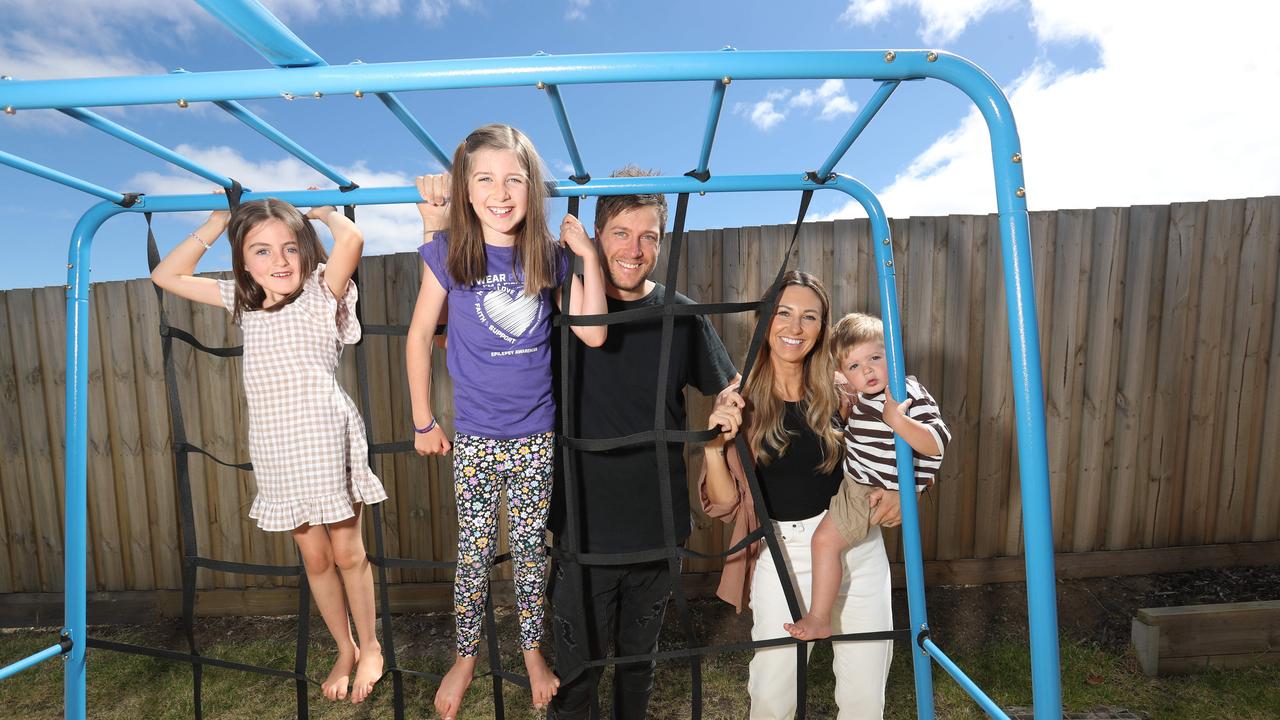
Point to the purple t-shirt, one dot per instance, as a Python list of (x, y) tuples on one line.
[(499, 354)]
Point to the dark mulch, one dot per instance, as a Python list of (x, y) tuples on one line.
[(1095, 609)]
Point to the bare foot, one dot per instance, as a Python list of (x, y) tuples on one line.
[(809, 627), (542, 682), (334, 687), (368, 672), (454, 686)]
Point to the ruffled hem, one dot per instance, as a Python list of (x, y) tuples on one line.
[(282, 515)]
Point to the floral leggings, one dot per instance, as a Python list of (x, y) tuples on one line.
[(481, 467)]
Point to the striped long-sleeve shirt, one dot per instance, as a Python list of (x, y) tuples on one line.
[(869, 454)]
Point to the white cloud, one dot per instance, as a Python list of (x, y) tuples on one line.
[(1151, 124), (306, 10), (26, 57), (829, 97), (763, 114), (386, 228), (561, 168), (433, 12), (942, 20), (577, 10)]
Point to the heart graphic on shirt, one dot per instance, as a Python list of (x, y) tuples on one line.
[(514, 315)]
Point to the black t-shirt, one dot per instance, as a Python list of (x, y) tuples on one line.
[(794, 486), (615, 388)]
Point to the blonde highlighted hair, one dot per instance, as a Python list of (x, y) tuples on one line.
[(768, 436), (852, 330), (535, 249)]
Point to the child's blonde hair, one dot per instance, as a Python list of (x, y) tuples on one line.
[(852, 330), (535, 250)]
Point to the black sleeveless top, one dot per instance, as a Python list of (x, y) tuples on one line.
[(794, 485)]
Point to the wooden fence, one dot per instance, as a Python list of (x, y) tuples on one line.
[(1160, 346)]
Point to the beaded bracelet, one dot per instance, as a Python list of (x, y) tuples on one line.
[(207, 246)]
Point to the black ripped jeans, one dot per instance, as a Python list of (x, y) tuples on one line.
[(622, 605)]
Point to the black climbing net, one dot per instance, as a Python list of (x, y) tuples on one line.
[(569, 556)]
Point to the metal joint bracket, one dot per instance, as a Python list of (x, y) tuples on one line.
[(703, 176), (921, 637)]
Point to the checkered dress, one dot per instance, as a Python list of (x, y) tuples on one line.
[(306, 438)]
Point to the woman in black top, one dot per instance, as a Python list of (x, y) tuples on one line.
[(791, 419)]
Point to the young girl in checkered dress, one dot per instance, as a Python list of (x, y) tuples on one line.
[(306, 438), (499, 269)]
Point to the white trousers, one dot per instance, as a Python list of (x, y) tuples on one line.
[(863, 605)]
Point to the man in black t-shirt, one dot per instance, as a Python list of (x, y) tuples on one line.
[(618, 507)]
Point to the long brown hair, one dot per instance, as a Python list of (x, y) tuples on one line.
[(249, 294), (767, 436), (535, 250)]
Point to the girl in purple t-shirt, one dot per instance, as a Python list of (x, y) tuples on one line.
[(499, 269)]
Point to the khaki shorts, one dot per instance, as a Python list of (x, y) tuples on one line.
[(851, 511)]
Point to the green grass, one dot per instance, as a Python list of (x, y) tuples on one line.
[(130, 687)]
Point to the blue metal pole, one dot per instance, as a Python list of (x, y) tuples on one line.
[(75, 565), (49, 173), (912, 553), (965, 682), (492, 72), (561, 188), (407, 119), (713, 121), (859, 124), (566, 130), (247, 117), (112, 128), (255, 25), (30, 661), (1024, 337)]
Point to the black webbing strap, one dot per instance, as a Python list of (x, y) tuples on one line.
[(233, 195), (349, 210), (676, 577), (644, 437), (902, 634), (239, 568), (645, 556), (571, 538), (380, 548), (184, 447), (196, 660), (188, 338), (762, 514), (495, 656), (655, 311), (190, 548), (300, 644)]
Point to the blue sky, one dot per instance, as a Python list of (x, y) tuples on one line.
[(1113, 108)]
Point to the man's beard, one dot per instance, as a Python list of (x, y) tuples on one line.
[(612, 280)]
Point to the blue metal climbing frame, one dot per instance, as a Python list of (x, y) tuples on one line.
[(300, 71)]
